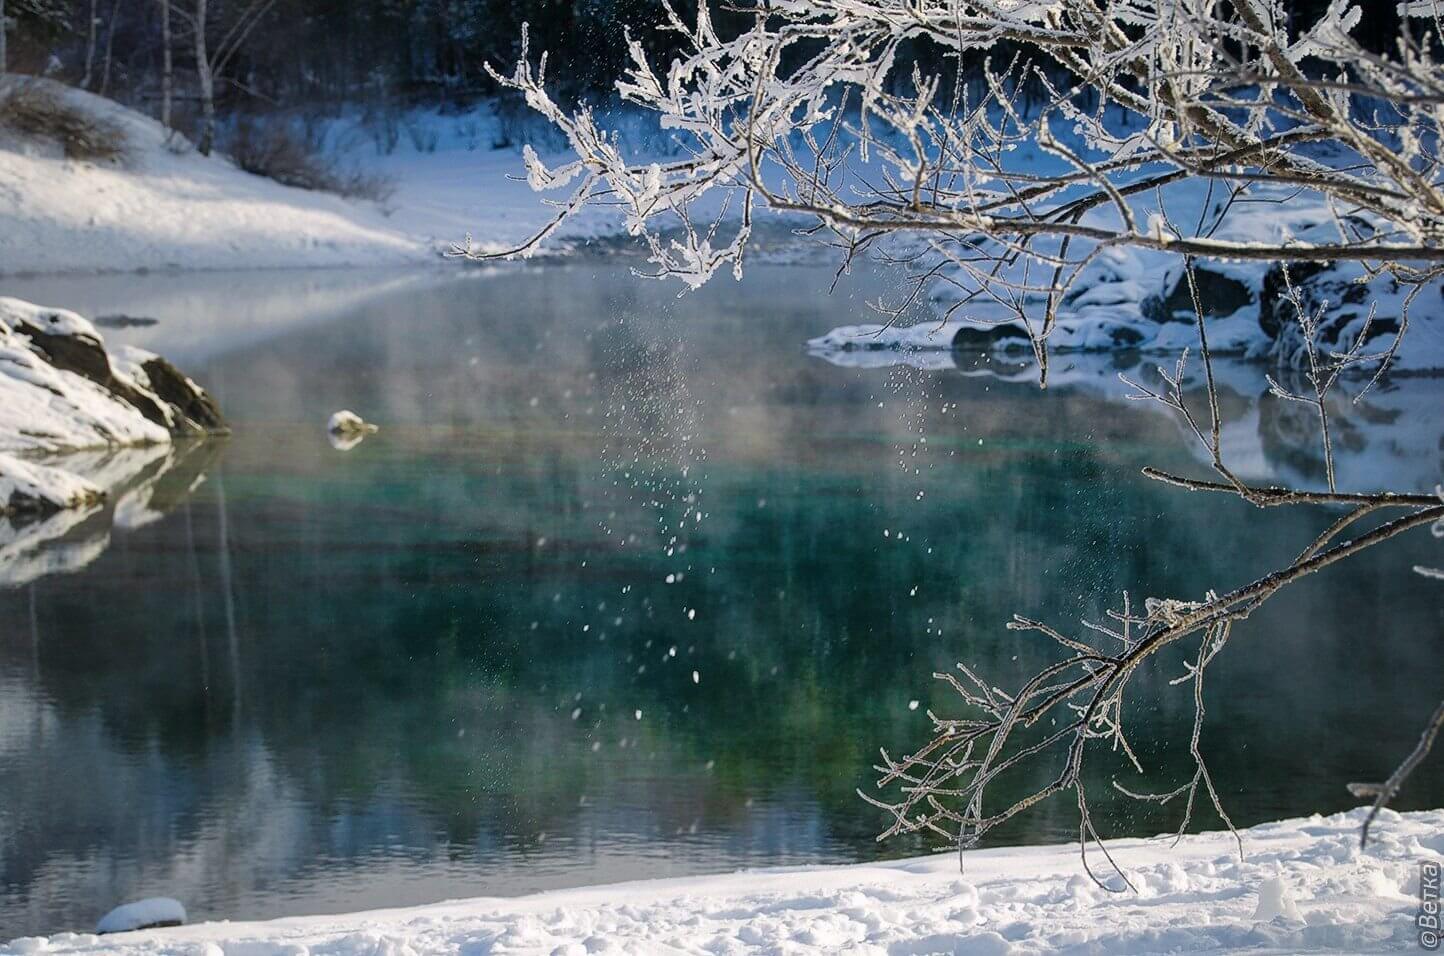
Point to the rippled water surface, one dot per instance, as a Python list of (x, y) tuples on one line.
[(628, 586)]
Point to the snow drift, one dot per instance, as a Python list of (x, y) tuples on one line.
[(1303, 886)]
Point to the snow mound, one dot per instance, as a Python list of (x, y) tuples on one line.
[(167, 207), (158, 912), (1198, 897)]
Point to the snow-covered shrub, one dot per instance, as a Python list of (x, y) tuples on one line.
[(277, 149), (39, 109), (423, 136)]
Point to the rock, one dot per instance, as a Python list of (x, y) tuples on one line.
[(347, 422), (192, 408), (52, 358), (1219, 295), (1332, 292), (980, 338), (125, 321), (62, 390), (147, 914), (346, 430)]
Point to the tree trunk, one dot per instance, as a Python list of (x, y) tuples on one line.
[(207, 83), (89, 46), (167, 76), (109, 47), (4, 49)]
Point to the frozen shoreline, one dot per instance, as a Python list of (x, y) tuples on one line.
[(1304, 886)]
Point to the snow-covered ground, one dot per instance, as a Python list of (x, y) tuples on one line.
[(168, 208), (452, 181), (1303, 886), (165, 208)]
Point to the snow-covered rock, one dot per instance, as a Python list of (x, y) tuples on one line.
[(346, 430), (347, 422), (62, 390), (1248, 309), (145, 914)]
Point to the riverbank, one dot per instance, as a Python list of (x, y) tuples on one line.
[(161, 207), (1303, 886)]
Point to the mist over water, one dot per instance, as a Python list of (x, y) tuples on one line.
[(630, 586)]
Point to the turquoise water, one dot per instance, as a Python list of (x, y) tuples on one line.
[(628, 586)]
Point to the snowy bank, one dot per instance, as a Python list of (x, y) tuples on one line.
[(1246, 307), (1303, 886), (164, 206)]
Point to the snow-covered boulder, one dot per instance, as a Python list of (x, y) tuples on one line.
[(145, 914), (1116, 305), (1349, 306), (347, 422), (346, 430), (62, 389)]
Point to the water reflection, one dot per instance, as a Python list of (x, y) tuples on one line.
[(626, 586), (142, 486), (1387, 434)]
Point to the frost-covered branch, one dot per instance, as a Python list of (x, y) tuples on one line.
[(1080, 701), (815, 109)]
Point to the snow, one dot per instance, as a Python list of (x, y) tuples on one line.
[(456, 185), (160, 911), (1303, 886), (167, 207)]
